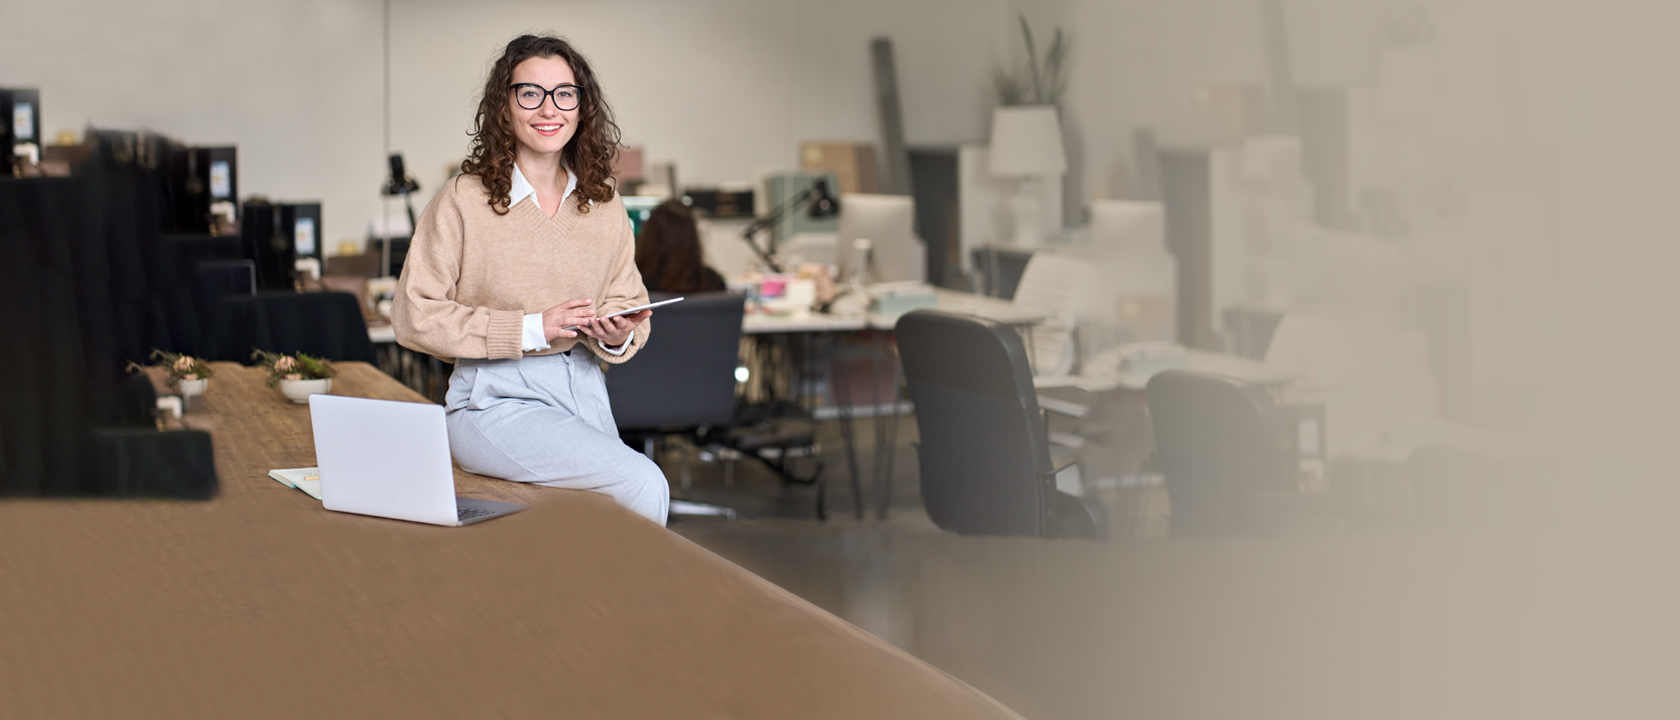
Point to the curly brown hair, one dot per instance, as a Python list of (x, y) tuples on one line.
[(590, 153)]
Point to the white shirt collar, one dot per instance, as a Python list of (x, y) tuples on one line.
[(522, 188)]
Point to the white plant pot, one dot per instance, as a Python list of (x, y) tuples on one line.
[(298, 391), (192, 388)]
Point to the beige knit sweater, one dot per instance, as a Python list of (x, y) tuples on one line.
[(472, 275)]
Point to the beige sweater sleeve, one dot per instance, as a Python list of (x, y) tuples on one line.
[(624, 290), (425, 315)]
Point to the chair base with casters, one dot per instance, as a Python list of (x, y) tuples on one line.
[(1078, 517), (985, 455), (772, 435), (679, 506)]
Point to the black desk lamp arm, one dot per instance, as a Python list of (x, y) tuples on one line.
[(764, 223)]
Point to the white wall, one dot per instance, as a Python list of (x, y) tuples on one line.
[(1139, 63), (725, 88), (295, 84)]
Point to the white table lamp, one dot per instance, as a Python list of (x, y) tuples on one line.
[(1027, 145)]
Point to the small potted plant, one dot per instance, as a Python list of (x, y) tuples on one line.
[(297, 376), (184, 373)]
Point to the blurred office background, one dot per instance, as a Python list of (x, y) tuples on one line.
[(1476, 197)]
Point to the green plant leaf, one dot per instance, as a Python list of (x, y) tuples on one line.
[(1054, 64), (1008, 87), (1032, 60)]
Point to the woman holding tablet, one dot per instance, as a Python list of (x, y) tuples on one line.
[(513, 266)]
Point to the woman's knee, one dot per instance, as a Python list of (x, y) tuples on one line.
[(646, 490), (654, 479)]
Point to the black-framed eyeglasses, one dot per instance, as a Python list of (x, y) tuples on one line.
[(531, 96)]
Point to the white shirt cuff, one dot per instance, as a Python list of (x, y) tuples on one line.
[(532, 339), (620, 349)]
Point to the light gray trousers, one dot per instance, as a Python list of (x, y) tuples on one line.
[(545, 419)]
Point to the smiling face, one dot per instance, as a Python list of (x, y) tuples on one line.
[(547, 129)]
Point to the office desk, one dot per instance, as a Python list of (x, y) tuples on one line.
[(758, 323), (1241, 368), (881, 361), (955, 301), (425, 372), (981, 306), (262, 604)]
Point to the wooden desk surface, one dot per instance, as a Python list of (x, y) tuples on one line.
[(261, 603)]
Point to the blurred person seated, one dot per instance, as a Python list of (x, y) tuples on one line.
[(669, 255)]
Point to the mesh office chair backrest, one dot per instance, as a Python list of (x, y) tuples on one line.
[(685, 375), (984, 453), (1056, 284)]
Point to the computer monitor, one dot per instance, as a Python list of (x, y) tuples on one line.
[(887, 222), (1127, 226), (22, 122), (300, 223), (276, 235)]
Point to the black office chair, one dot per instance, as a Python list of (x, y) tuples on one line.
[(999, 271), (324, 324), (683, 381), (1225, 452), (985, 457)]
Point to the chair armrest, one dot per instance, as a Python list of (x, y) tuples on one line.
[(1062, 458), (1067, 440), (1063, 407)]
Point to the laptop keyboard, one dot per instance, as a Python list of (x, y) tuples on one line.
[(464, 514)]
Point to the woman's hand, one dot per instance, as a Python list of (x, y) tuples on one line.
[(614, 331), (564, 315)]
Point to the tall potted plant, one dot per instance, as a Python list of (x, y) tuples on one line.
[(1032, 82), (1026, 141)]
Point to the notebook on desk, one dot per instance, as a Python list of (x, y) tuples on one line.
[(390, 459), (306, 479)]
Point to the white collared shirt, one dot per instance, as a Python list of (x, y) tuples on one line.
[(532, 337), (522, 188)]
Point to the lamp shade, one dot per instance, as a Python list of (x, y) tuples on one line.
[(1027, 141)]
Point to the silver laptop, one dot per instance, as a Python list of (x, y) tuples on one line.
[(390, 459)]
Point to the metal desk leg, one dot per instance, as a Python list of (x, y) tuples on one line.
[(887, 428), (843, 409), (805, 397)]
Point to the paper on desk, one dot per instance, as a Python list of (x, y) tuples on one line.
[(305, 479)]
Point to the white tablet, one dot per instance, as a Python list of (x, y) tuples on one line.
[(627, 311)]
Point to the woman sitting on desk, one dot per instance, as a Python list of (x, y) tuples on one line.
[(528, 241), (669, 256)]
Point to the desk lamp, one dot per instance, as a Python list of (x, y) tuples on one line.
[(1027, 145), (398, 183), (822, 204)]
